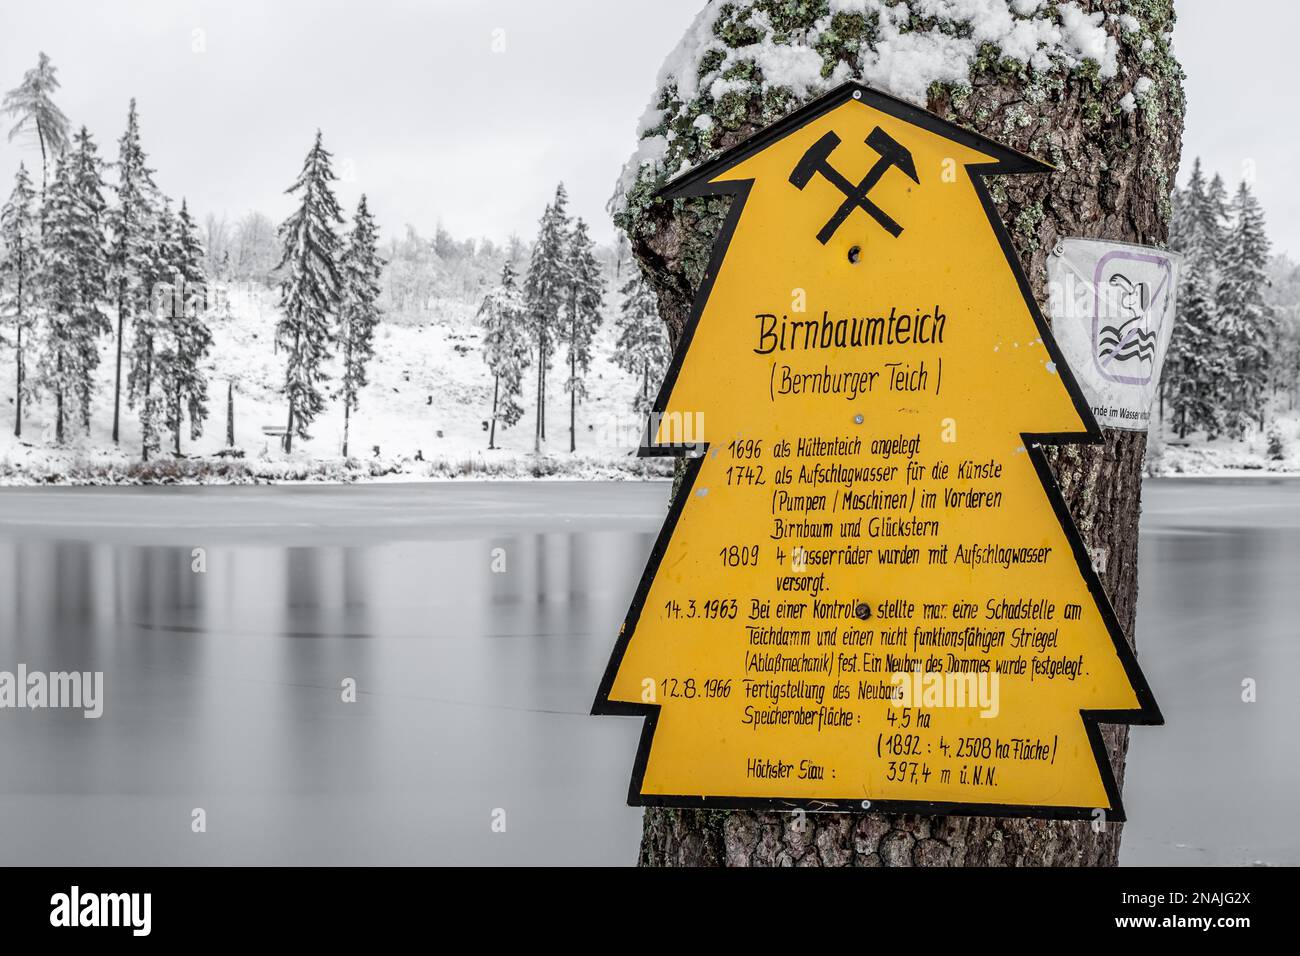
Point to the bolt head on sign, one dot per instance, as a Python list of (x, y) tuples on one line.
[(989, 654)]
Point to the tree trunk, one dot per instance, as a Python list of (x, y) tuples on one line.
[(347, 394), (117, 379), (58, 404), (18, 375), (40, 136), (230, 414), (180, 417), (573, 405), (492, 429), (144, 407), (537, 428), (288, 430), (347, 421), (1114, 174)]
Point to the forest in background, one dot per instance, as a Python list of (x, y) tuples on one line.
[(104, 277), (98, 265)]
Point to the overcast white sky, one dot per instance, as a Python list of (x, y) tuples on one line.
[(434, 126)]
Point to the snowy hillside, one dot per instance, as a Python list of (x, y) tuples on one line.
[(425, 408)]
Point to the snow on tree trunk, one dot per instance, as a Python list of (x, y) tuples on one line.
[(1100, 98)]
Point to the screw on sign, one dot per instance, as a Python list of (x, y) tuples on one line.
[(943, 643)]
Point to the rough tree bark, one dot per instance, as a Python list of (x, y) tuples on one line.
[(1115, 169)]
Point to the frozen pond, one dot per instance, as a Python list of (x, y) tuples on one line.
[(223, 688)]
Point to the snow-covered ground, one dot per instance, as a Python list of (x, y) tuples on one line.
[(1168, 456), (425, 409)]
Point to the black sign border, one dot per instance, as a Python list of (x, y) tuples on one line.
[(695, 183)]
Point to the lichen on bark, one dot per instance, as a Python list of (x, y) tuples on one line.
[(1114, 172)]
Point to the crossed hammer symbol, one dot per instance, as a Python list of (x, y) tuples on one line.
[(817, 160)]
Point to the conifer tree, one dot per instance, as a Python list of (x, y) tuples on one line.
[(129, 222), (77, 275), (191, 339), (1195, 365), (1184, 220), (506, 349), (544, 293), (32, 104), (310, 291), (152, 348), (360, 270), (19, 277), (93, 265), (642, 347), (582, 318), (1216, 212), (1247, 319)]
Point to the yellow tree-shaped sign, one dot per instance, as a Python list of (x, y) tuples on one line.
[(868, 591)]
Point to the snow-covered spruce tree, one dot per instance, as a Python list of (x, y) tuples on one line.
[(31, 104), (129, 221), (1216, 222), (1062, 81), (310, 290), (583, 313), (360, 270), (186, 385), (642, 347), (1192, 386), (93, 266), (152, 342), (20, 274), (544, 294), (1216, 215), (1247, 319), (76, 281), (507, 349), (1193, 368), (55, 371)]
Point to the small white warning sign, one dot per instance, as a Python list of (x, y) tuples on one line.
[(1113, 308)]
